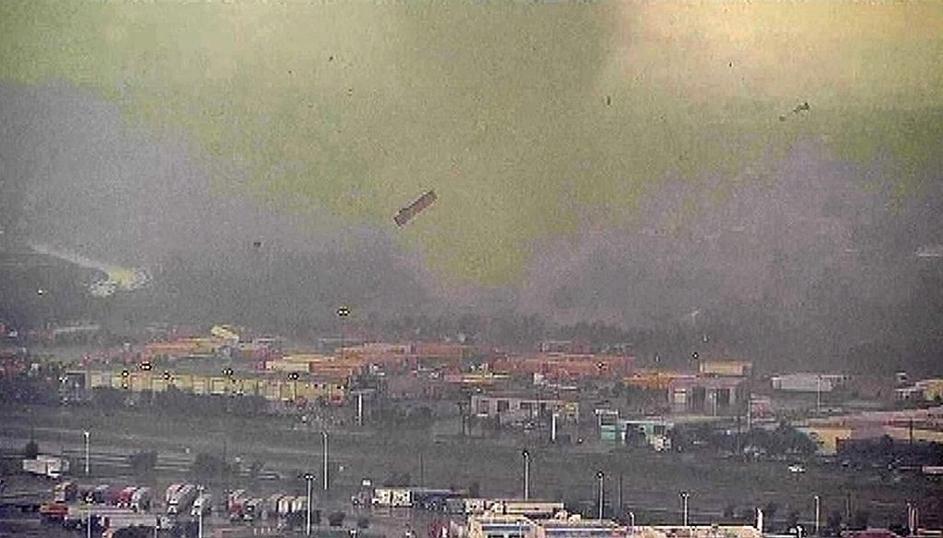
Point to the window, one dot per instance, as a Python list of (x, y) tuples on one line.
[(503, 405)]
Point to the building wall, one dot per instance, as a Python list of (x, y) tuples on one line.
[(510, 408), (807, 382), (270, 388), (725, 368)]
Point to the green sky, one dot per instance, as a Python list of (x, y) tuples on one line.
[(529, 120)]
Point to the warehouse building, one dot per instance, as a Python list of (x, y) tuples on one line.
[(706, 395), (511, 408), (808, 382)]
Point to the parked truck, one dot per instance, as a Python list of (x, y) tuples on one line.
[(203, 505), (253, 509), (182, 499), (124, 496), (171, 491), (65, 492), (235, 504), (115, 521), (141, 500), (48, 466)]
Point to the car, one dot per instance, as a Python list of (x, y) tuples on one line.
[(795, 468)]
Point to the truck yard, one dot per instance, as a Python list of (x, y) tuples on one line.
[(649, 480)]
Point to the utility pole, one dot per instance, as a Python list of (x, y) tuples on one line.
[(602, 478), (621, 505), (684, 508), (324, 435), (360, 409), (818, 508), (818, 394), (86, 434), (200, 521), (526, 456), (309, 478)]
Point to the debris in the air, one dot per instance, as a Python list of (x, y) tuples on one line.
[(695, 355), (407, 213), (803, 106), (40, 291), (343, 312), (256, 244)]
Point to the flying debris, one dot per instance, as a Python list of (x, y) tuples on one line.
[(343, 312), (116, 278), (801, 107), (407, 213)]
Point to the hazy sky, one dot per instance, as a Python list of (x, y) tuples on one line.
[(618, 160)]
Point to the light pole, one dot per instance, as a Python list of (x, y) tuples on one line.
[(632, 521), (602, 477), (818, 393), (86, 434), (818, 507), (199, 525), (308, 478), (684, 508), (526, 456), (324, 435)]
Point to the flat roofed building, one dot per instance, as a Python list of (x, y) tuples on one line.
[(509, 407), (560, 526), (500, 526), (707, 395), (808, 382), (725, 367)]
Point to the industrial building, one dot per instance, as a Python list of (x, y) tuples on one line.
[(279, 388), (924, 390), (651, 432), (566, 366), (725, 368), (903, 425), (808, 382), (511, 408), (561, 526), (706, 395)]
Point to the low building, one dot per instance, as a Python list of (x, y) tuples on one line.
[(697, 531), (651, 432), (725, 368), (924, 390), (904, 425), (706, 395), (511, 408), (808, 382), (560, 526), (566, 366)]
